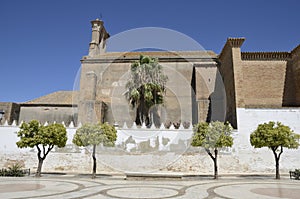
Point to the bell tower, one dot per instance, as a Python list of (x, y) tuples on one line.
[(99, 37)]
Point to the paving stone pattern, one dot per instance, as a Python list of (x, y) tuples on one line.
[(69, 186)]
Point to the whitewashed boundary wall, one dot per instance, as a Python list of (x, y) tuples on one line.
[(167, 150)]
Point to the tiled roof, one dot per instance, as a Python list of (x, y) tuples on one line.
[(56, 98)]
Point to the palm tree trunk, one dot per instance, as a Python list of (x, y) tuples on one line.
[(142, 115)]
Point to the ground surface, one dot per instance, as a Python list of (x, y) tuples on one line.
[(71, 186)]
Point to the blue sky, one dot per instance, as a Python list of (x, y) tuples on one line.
[(42, 42)]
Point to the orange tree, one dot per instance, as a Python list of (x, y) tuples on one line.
[(275, 136), (44, 138), (213, 136), (93, 135)]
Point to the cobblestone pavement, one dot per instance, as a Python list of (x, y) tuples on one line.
[(116, 187)]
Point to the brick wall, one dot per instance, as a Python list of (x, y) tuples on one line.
[(259, 79), (296, 73), (263, 83)]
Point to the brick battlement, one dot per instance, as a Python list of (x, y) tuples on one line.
[(265, 55)]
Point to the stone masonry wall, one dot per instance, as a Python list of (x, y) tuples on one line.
[(110, 88), (11, 111), (226, 70), (48, 114)]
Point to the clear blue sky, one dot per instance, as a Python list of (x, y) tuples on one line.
[(42, 42)]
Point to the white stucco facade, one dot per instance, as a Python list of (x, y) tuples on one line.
[(147, 150)]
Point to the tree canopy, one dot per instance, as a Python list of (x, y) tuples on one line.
[(145, 86), (44, 138), (213, 136), (93, 135), (275, 136)]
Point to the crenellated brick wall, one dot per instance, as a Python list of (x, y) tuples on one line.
[(259, 79)]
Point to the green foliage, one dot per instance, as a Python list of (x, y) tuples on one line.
[(212, 136), (15, 171), (273, 135), (29, 134), (297, 174), (110, 134), (146, 84), (95, 134), (54, 134), (32, 134), (44, 138)]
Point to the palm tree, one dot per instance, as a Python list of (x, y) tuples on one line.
[(145, 87)]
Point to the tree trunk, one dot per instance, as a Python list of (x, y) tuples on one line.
[(94, 162), (215, 161), (142, 115), (277, 158), (277, 168), (138, 116), (39, 169), (216, 164)]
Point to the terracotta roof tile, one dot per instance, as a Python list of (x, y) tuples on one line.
[(56, 98)]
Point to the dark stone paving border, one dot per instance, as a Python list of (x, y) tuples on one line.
[(212, 194), (105, 192)]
